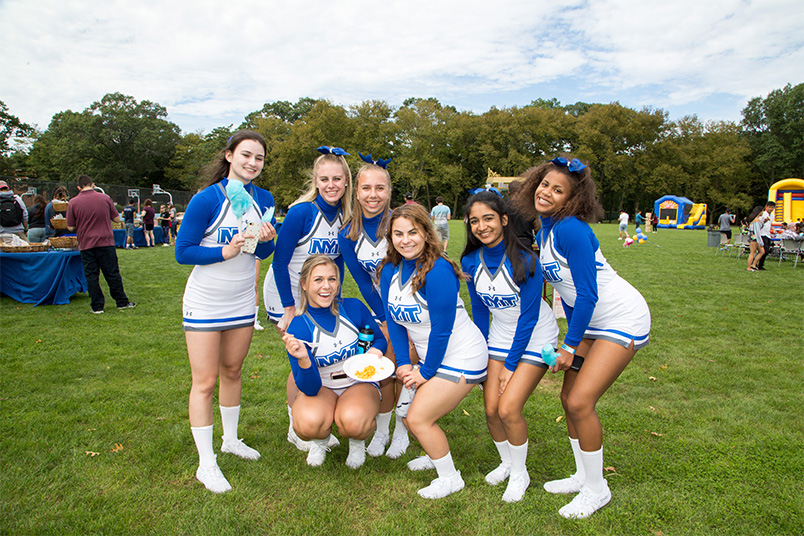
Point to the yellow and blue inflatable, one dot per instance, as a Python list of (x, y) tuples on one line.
[(680, 213)]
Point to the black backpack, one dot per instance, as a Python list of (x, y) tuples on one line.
[(10, 212)]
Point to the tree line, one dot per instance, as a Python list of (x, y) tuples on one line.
[(636, 156)]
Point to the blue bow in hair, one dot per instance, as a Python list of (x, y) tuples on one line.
[(379, 162), (573, 166), (491, 189), (326, 149)]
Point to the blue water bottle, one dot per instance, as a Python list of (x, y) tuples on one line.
[(365, 337), (549, 355)]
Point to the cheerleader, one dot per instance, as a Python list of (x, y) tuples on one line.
[(419, 288), (311, 226), (363, 245), (505, 279), (319, 341), (608, 319), (218, 304)]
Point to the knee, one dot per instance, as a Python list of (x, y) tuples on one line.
[(492, 412), (509, 413), (578, 406), (204, 387), (354, 425), (311, 425), (231, 372)]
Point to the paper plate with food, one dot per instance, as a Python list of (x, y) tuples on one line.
[(368, 367)]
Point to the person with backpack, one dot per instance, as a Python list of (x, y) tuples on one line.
[(13, 214)]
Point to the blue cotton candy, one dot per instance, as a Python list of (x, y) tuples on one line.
[(269, 214), (549, 354), (239, 198)]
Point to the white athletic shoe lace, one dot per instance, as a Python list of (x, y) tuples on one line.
[(238, 448), (441, 487), (585, 504), (498, 475)]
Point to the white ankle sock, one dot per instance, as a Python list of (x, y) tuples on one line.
[(519, 456), (593, 467), (384, 422), (202, 435), (503, 447), (580, 473), (444, 466), (230, 418)]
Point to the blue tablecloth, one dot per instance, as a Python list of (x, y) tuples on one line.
[(139, 237), (45, 277)]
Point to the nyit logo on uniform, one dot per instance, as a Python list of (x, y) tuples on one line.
[(405, 313), (337, 355), (324, 245), (492, 301), (550, 271), (225, 234)]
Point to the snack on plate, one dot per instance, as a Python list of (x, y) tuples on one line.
[(367, 373), (252, 234)]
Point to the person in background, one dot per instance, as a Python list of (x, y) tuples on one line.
[(420, 290), (409, 199), (640, 221), (60, 194), (218, 302), (89, 215), (654, 222), (36, 220), (13, 214), (765, 234), (755, 244), (174, 221), (725, 222), (148, 215), (164, 222), (440, 216), (505, 285), (623, 225), (327, 395), (128, 217), (608, 320)]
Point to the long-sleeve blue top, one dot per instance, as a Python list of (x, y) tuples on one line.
[(202, 211), (363, 278), (308, 380), (530, 298), (297, 224), (575, 240), (440, 291)]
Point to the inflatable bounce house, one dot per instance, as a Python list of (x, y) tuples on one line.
[(680, 213), (789, 197)]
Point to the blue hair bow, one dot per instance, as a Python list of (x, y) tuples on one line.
[(369, 160), (491, 189), (573, 166), (326, 149)]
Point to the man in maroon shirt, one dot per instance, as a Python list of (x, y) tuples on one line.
[(90, 214)]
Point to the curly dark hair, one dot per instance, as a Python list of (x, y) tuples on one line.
[(582, 201)]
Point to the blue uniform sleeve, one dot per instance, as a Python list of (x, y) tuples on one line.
[(307, 379), (398, 334), (480, 313), (361, 277), (265, 201), (361, 316), (576, 241), (293, 228), (530, 305), (441, 293), (202, 207)]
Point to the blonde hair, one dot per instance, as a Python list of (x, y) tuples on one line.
[(312, 262), (311, 191), (356, 221)]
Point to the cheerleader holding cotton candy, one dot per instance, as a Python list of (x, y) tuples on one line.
[(363, 246), (505, 283), (218, 303), (608, 319)]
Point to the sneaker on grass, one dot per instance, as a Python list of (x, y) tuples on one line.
[(378, 444), (240, 449), (129, 305), (570, 484), (317, 453), (517, 485), (213, 479), (585, 504), (498, 475), (441, 487), (422, 463)]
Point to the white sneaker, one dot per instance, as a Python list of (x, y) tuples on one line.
[(585, 504), (357, 454), (213, 479), (422, 463), (517, 485), (499, 475), (296, 441), (441, 487), (565, 485), (318, 452), (258, 326), (399, 445), (378, 444), (238, 448), (333, 442)]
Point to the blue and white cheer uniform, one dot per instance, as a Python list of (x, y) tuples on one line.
[(363, 256), (448, 343), (337, 338), (220, 293), (599, 303), (521, 321), (308, 228)]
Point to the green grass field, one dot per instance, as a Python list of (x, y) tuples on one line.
[(703, 432)]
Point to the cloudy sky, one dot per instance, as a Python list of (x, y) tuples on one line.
[(212, 62)]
